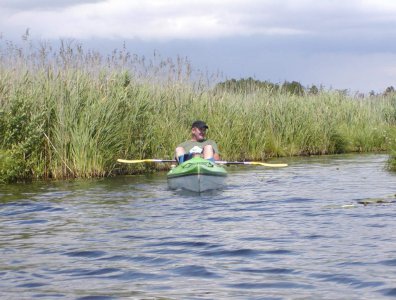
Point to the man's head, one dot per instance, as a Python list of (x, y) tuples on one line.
[(198, 130)]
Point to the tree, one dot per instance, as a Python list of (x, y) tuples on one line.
[(294, 88), (313, 90), (389, 90)]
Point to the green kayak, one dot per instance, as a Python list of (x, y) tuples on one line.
[(197, 175)]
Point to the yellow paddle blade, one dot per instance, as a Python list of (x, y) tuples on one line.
[(265, 164), (135, 161)]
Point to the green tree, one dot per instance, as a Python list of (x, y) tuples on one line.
[(389, 90), (294, 88), (313, 90)]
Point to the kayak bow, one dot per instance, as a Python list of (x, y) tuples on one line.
[(197, 175)]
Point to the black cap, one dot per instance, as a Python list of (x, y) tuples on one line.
[(199, 124)]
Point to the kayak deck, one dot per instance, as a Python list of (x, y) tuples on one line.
[(197, 175)]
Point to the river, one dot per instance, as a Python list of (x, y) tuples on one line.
[(322, 228)]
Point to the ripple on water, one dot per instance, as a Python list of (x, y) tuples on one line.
[(233, 253), (96, 272), (179, 244), (268, 271), (32, 284), (86, 254), (297, 200), (130, 275), (96, 298), (48, 296), (271, 285), (107, 273), (36, 221), (194, 271), (391, 292), (348, 280), (389, 262)]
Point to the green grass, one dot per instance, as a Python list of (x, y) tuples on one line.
[(69, 113), (392, 149)]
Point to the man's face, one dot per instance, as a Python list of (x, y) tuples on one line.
[(198, 134)]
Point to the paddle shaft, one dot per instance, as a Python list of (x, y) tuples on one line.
[(155, 160), (251, 163), (136, 161)]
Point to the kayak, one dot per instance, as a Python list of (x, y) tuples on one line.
[(197, 175)]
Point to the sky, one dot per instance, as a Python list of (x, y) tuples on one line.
[(339, 44)]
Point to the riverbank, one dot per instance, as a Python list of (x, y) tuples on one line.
[(69, 113)]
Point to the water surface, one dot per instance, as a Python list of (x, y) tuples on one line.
[(322, 228)]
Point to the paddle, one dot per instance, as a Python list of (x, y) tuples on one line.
[(222, 162), (251, 163), (136, 161)]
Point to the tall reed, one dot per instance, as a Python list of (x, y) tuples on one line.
[(67, 112), (392, 135)]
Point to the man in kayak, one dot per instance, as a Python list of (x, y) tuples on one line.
[(198, 145)]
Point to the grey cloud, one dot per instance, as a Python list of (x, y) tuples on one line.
[(41, 4)]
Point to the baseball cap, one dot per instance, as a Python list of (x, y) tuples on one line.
[(199, 124)]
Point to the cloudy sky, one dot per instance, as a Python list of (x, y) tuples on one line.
[(341, 44)]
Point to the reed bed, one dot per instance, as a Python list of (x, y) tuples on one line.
[(65, 112)]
